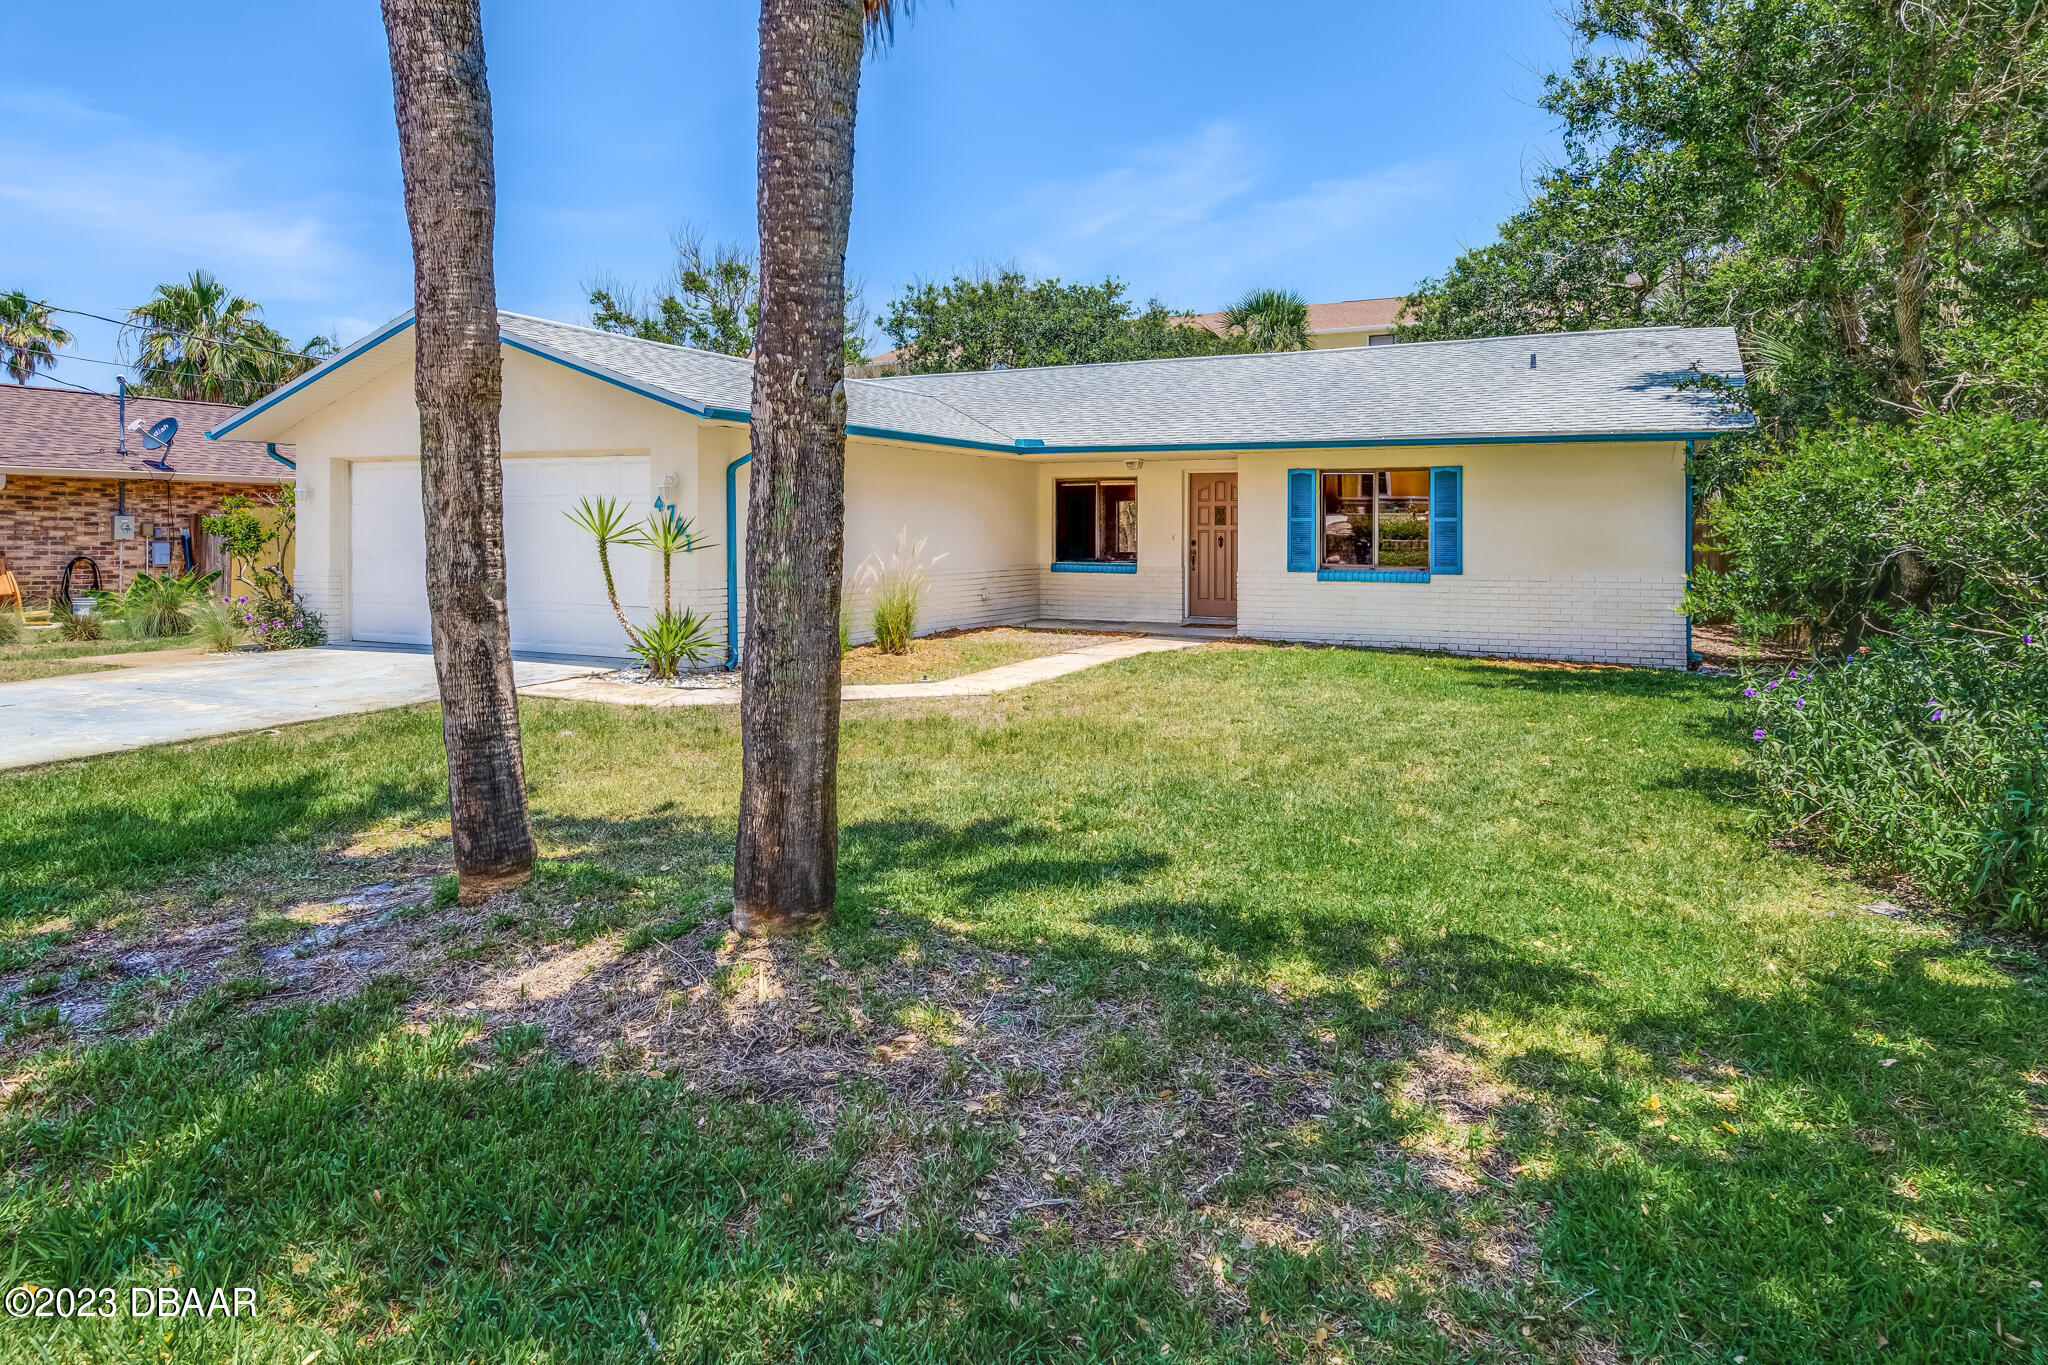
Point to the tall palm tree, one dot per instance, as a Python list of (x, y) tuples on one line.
[(443, 103), (28, 338), (199, 339), (786, 868), (1270, 320)]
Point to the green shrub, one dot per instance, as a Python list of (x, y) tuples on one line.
[(74, 625), (1848, 523), (217, 627), (1927, 753), (158, 607), (13, 626), (279, 622)]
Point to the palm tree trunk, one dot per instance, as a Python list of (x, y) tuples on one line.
[(444, 138), (785, 872)]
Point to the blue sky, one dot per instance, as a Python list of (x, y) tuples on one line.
[(1194, 148)]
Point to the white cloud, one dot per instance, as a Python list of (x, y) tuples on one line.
[(1203, 217), (93, 190)]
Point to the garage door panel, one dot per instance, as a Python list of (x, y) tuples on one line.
[(555, 590)]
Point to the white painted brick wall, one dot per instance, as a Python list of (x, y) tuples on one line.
[(1152, 594), (1595, 618)]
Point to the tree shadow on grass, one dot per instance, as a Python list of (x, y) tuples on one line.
[(108, 847)]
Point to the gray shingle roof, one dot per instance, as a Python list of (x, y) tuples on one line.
[(1583, 383), (1609, 383)]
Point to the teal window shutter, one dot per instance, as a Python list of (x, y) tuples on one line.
[(1301, 521), (1447, 519)]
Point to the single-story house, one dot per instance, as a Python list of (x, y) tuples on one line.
[(76, 483), (1517, 496)]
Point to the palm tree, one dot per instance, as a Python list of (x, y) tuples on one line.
[(199, 339), (1270, 320), (786, 867), (444, 150), (28, 338)]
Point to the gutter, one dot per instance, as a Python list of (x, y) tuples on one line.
[(732, 560)]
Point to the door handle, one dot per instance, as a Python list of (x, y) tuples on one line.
[(1191, 552)]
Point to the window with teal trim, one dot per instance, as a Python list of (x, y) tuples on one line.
[(1375, 519), (1095, 522)]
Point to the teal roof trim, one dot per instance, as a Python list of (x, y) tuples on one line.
[(312, 376)]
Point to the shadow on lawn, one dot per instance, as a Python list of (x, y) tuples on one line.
[(1906, 1199), (91, 848)]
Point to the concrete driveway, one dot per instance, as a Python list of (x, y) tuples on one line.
[(98, 713)]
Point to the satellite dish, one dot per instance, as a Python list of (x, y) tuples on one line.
[(159, 437)]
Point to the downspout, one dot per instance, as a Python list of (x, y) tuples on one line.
[(732, 561), (270, 449)]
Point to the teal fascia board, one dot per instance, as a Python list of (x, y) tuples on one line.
[(1093, 566), (312, 376), (1372, 575)]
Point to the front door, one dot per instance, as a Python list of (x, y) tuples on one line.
[(1212, 547)]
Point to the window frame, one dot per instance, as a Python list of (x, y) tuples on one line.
[(1104, 559), (1377, 479)]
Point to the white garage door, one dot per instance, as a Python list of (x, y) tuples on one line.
[(556, 593)]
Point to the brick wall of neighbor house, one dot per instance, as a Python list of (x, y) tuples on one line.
[(45, 522)]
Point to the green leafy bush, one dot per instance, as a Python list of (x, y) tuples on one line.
[(159, 607), (1927, 752), (280, 622), (13, 626), (1844, 525)]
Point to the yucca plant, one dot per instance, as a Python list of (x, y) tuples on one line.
[(898, 586), (671, 638)]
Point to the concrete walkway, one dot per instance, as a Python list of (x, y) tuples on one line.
[(49, 719), (986, 683)]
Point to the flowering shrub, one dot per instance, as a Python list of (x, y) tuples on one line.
[(280, 622), (1927, 752)]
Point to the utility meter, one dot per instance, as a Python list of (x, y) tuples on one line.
[(124, 526)]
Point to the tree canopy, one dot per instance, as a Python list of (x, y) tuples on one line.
[(29, 340), (1004, 317), (1846, 184), (198, 339)]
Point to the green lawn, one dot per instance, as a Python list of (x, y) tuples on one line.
[(956, 653), (42, 655), (1241, 1003)]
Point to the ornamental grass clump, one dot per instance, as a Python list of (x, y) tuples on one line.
[(897, 589), (1927, 752)]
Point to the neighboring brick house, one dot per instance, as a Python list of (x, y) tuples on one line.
[(63, 478)]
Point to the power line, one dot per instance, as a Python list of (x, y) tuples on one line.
[(131, 325)]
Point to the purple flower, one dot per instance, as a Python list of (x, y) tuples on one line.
[(2026, 639), (1799, 701), (1772, 684), (1749, 691), (1756, 734)]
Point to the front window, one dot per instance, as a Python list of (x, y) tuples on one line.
[(1376, 518), (1096, 520)]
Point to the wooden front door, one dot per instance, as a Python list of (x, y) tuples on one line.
[(1212, 547)]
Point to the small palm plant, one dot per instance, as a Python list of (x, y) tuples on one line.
[(899, 585), (1270, 320), (672, 638)]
